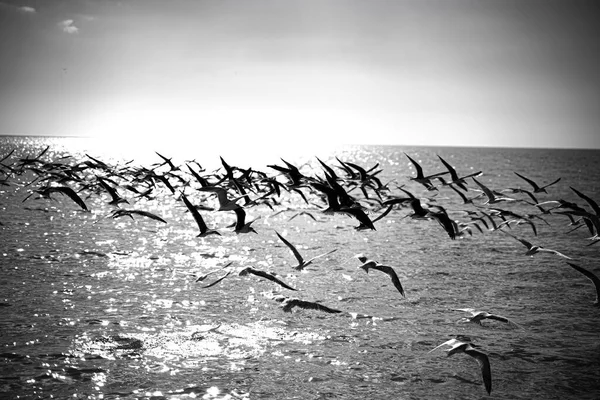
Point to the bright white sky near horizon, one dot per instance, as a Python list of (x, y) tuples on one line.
[(519, 73)]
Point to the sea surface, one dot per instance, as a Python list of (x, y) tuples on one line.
[(95, 307)]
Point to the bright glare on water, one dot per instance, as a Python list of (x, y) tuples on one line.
[(104, 308)]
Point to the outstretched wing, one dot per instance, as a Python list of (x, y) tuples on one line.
[(292, 248)]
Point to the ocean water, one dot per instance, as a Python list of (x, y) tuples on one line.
[(95, 307)]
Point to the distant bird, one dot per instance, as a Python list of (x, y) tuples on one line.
[(535, 186), (225, 204), (591, 276), (204, 231), (216, 281), (115, 198), (534, 249), (301, 262), (288, 303), (241, 226), (130, 213), (266, 275), (371, 264), (203, 277), (65, 190), (477, 316), (457, 346)]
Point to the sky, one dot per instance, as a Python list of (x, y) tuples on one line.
[(518, 73)]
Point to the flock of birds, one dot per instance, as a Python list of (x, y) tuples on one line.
[(344, 188)]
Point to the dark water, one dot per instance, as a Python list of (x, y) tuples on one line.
[(95, 307)]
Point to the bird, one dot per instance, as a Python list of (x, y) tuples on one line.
[(122, 212), (302, 263), (593, 277), (204, 231), (225, 204), (535, 186), (241, 226), (421, 178), (457, 346), (477, 316), (67, 191), (115, 198), (491, 197), (458, 181), (216, 281), (266, 275), (288, 303), (203, 277), (371, 264), (534, 249)]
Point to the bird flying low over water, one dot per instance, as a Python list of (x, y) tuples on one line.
[(534, 249), (421, 178), (591, 276), (266, 275), (535, 186), (477, 316), (371, 264), (115, 198), (67, 191), (288, 303), (204, 231), (122, 212), (241, 226), (458, 346), (492, 198), (301, 262), (225, 204), (456, 180)]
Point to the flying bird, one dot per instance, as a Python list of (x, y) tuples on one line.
[(371, 264), (204, 231), (266, 275), (241, 226), (458, 346), (122, 212), (535, 186), (534, 249), (591, 276), (302, 263), (288, 303), (65, 190), (477, 316)]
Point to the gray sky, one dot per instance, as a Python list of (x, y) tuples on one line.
[(419, 72)]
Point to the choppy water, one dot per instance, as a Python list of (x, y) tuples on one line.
[(95, 307)]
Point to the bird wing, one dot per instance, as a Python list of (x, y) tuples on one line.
[(321, 255), (452, 171), (417, 167), (490, 195), (484, 362), (451, 342), (148, 215), (217, 281), (72, 195), (552, 183), (590, 275), (292, 248), (268, 276), (558, 253), (197, 217), (532, 183), (591, 202), (392, 274), (307, 305)]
